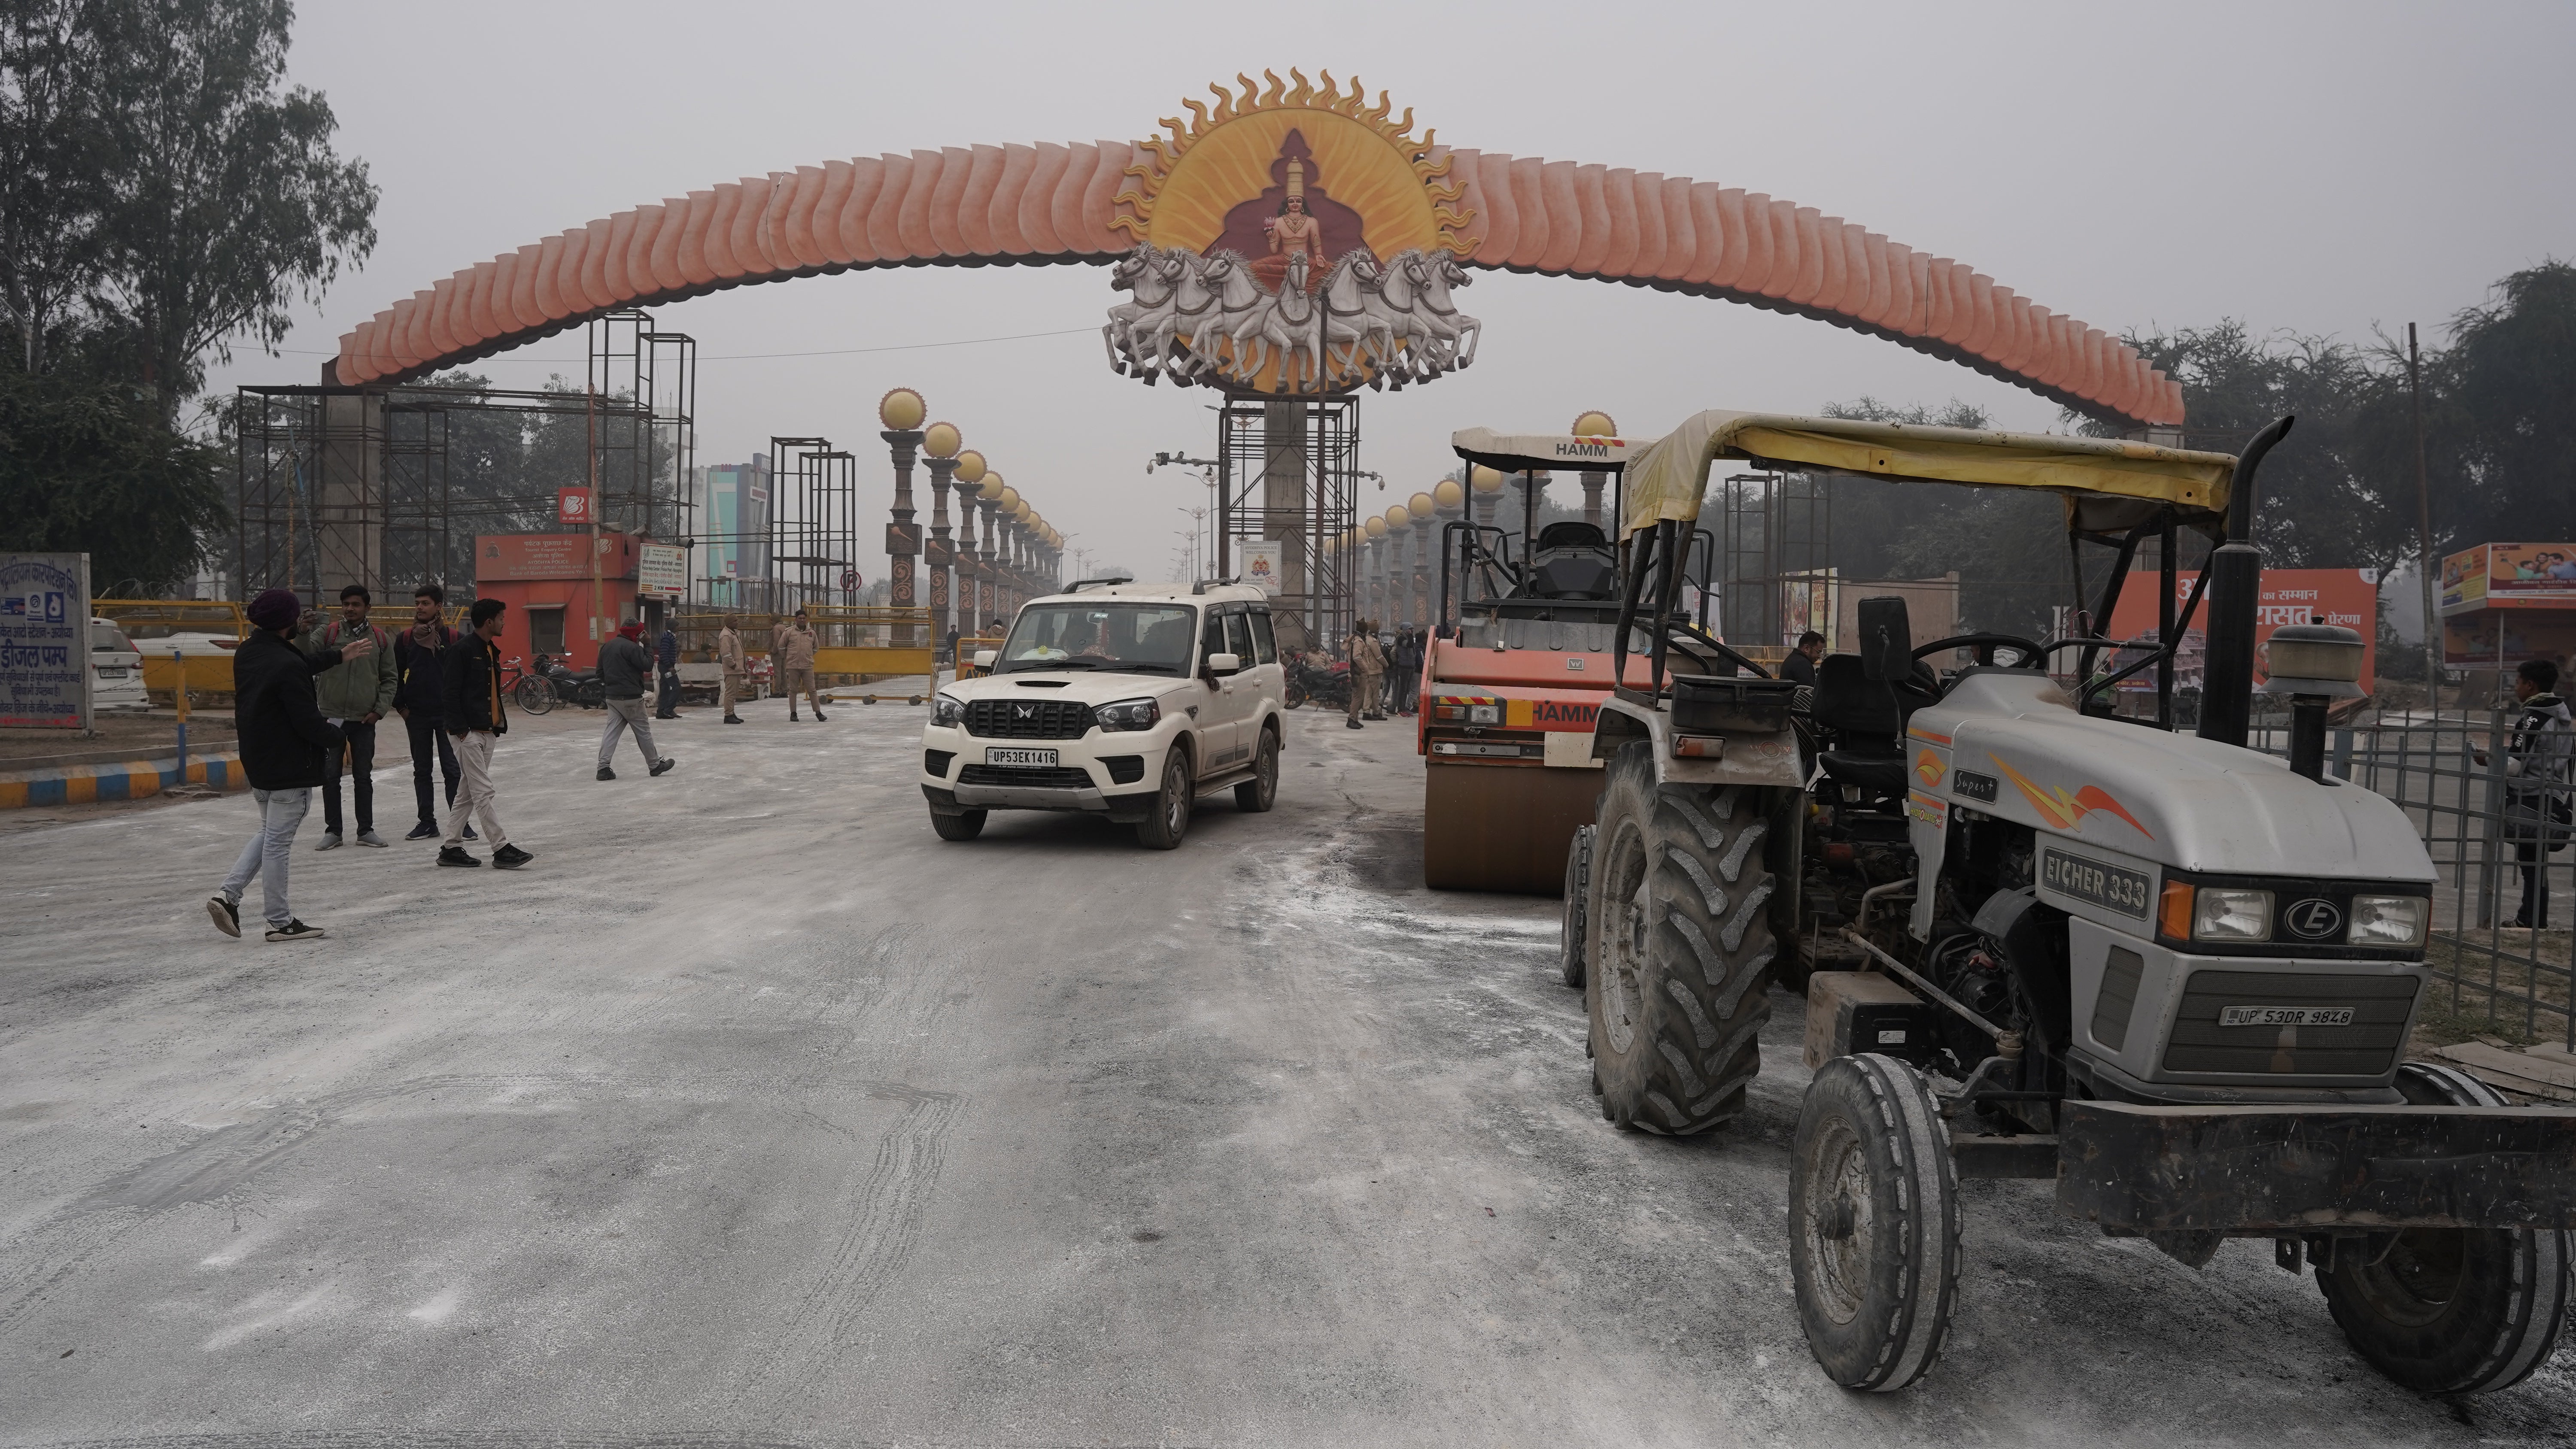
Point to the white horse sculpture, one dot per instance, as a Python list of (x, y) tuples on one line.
[(1207, 320), (1145, 272), (1354, 316)]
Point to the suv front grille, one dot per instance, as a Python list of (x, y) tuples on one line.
[(1026, 777), (1028, 719), (2381, 1005)]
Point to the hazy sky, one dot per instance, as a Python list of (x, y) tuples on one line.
[(2321, 168)]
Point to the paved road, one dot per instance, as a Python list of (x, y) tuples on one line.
[(753, 1113)]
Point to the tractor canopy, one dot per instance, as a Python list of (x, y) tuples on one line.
[(2107, 484)]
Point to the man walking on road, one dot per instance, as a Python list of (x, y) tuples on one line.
[(283, 737), (666, 688), (469, 706), (796, 664), (729, 659), (622, 663), (1368, 671), (353, 695), (418, 653)]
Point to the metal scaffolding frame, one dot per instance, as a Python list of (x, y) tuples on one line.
[(1776, 545), (1328, 436), (813, 522), (335, 484)]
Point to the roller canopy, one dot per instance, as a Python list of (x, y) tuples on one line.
[(1541, 452), (2106, 483)]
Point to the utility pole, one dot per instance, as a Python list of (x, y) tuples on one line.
[(2424, 564), (598, 590)]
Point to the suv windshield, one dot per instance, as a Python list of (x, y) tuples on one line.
[(1151, 637)]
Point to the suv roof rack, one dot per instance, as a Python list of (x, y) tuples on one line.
[(1203, 585), (1078, 585)]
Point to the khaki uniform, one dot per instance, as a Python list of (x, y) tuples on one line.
[(795, 659), (1368, 674), (729, 655)]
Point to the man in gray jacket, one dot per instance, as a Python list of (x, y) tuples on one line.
[(353, 695), (623, 668)]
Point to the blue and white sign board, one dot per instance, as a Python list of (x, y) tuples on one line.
[(44, 641)]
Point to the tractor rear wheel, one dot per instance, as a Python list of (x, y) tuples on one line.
[(1678, 977), (2450, 1310), (1572, 935), (1873, 1223)]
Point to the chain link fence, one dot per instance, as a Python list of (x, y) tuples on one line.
[(2446, 769)]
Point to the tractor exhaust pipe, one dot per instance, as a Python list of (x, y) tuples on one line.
[(2235, 593)]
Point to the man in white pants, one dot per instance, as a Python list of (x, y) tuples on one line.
[(470, 709)]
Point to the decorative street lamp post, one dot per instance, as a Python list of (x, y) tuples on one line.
[(1006, 524), (1417, 594), (901, 410), (940, 442), (988, 599), (1387, 528), (1595, 424), (969, 474)]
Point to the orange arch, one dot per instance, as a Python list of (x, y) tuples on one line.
[(1049, 203)]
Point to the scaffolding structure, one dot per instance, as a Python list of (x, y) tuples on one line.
[(1776, 543), (1288, 474), (813, 540), (387, 486)]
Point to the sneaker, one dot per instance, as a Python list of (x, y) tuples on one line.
[(663, 765), (818, 716), (606, 773), (511, 857), (470, 835), (733, 719), (227, 915), (1354, 724), (369, 837), (455, 855), (791, 719), (295, 931), (425, 830), (330, 841)]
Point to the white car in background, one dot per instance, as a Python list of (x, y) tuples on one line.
[(116, 669)]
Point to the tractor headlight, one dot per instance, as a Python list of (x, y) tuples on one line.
[(1485, 714), (1128, 714), (2386, 921), (2219, 914), (947, 710)]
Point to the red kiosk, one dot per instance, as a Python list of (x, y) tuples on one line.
[(558, 604)]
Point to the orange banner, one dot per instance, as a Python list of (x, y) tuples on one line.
[(2290, 596)]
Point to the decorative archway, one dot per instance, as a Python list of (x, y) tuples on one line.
[(1092, 202)]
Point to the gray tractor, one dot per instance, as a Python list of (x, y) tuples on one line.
[(2039, 939)]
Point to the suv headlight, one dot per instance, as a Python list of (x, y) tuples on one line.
[(2218, 914), (947, 710), (2386, 921), (1128, 714)]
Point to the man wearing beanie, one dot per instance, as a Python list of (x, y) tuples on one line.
[(284, 745), (623, 665)]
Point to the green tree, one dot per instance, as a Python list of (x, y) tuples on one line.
[(2503, 431), (228, 202), (54, 167), (87, 466)]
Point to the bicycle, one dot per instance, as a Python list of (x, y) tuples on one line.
[(532, 693)]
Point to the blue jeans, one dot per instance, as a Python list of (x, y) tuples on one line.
[(263, 858)]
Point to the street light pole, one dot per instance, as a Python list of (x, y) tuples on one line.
[(901, 410), (2424, 530)]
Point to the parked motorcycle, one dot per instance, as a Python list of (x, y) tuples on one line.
[(576, 686), (1326, 684)]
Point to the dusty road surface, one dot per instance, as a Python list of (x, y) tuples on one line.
[(753, 1113)]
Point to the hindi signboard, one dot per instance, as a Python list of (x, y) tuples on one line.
[(662, 570), (2348, 597), (2509, 576), (1261, 565), (44, 641)]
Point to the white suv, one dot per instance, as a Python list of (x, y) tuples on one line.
[(1127, 700)]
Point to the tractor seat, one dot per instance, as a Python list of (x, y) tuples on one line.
[(1882, 776), (1861, 712)]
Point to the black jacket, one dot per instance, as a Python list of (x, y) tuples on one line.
[(418, 672), (470, 687), (1798, 668), (666, 650), (623, 666), (286, 744)]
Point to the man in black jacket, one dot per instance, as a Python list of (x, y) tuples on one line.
[(622, 666), (285, 752), (666, 689), (419, 651), (470, 709)]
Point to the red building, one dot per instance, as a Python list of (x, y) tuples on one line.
[(545, 578)]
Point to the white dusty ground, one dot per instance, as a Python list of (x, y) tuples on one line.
[(753, 1113)]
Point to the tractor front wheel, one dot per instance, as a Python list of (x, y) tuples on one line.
[(1873, 1223), (2449, 1310)]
